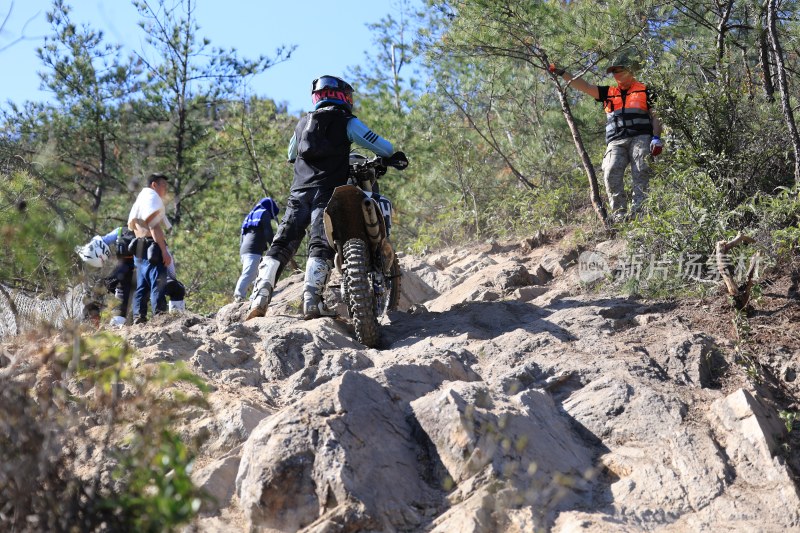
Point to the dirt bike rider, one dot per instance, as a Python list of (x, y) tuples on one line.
[(320, 151)]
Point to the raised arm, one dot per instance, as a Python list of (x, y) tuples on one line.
[(577, 83)]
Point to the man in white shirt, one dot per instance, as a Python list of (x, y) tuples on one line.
[(147, 219)]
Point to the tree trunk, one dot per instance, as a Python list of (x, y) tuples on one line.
[(396, 81), (597, 202), (722, 30), (101, 182), (180, 138), (250, 146), (783, 84), (763, 59)]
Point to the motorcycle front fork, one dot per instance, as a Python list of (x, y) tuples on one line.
[(378, 284)]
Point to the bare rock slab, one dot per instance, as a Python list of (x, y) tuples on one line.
[(752, 433), (523, 443), (344, 454)]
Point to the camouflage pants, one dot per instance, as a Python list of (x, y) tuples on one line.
[(619, 154)]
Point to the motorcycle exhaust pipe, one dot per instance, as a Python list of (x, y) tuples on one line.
[(372, 222)]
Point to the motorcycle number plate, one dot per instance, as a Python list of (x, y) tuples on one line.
[(386, 207)]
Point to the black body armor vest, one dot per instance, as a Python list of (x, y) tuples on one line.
[(323, 148)]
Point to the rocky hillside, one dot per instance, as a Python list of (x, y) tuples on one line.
[(507, 396)]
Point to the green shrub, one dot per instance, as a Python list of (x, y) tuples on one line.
[(522, 212), (158, 492), (775, 221), (719, 131), (510, 211), (685, 213), (45, 403)]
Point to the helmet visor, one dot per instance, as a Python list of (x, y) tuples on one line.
[(330, 82)]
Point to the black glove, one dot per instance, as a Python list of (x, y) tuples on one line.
[(398, 161)]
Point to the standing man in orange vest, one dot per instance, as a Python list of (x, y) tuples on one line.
[(632, 132)]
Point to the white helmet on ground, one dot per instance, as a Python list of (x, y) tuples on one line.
[(95, 253)]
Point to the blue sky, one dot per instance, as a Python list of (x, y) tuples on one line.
[(330, 37)]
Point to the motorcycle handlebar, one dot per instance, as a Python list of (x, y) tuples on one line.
[(398, 161)]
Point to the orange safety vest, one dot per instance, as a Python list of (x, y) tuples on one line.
[(627, 112)]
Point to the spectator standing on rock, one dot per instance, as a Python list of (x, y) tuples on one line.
[(147, 220), (255, 237), (632, 131)]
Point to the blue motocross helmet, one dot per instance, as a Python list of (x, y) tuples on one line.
[(330, 90)]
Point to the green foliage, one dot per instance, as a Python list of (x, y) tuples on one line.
[(744, 354), (551, 206), (76, 142), (383, 87), (101, 359), (504, 212), (206, 246), (189, 84), (775, 221), (153, 463), (791, 419), (40, 233), (44, 426), (685, 214), (159, 493), (734, 140)]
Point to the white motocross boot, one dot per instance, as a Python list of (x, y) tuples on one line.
[(265, 283), (318, 271)]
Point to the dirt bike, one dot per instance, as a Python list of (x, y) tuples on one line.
[(357, 222)]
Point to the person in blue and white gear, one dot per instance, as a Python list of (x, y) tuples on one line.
[(95, 254), (320, 151), (255, 237)]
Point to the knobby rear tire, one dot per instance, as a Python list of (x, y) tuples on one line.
[(360, 296)]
